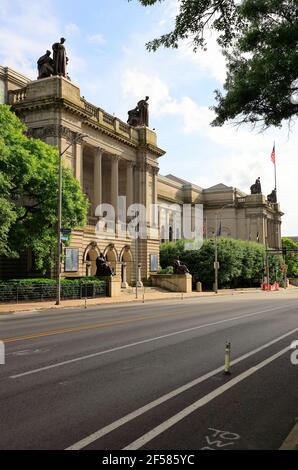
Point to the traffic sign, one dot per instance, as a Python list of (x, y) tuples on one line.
[(64, 239), (65, 230)]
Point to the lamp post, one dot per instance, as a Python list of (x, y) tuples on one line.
[(294, 95), (216, 267), (77, 138)]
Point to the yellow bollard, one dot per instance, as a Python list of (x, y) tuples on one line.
[(227, 359)]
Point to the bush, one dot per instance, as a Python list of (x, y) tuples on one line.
[(41, 289), (241, 262), (167, 270)]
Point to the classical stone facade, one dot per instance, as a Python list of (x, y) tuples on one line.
[(239, 215), (116, 159)]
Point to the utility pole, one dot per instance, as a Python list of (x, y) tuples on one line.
[(216, 256), (137, 260), (216, 264), (59, 210), (267, 264)]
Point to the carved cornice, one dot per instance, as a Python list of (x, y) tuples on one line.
[(52, 131), (61, 103)]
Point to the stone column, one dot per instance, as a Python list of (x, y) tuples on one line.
[(154, 216), (124, 284), (115, 183), (79, 148), (129, 184), (139, 280), (97, 178)]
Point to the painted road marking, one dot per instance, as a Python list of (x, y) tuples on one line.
[(131, 345), (149, 436), (77, 329), (120, 422), (222, 439)]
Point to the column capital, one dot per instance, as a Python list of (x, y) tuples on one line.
[(115, 158), (98, 152), (131, 164)]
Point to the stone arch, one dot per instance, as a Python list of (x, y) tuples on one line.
[(127, 258), (92, 251), (111, 255)]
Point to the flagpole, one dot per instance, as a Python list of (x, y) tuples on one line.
[(275, 167)]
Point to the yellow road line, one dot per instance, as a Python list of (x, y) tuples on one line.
[(87, 327)]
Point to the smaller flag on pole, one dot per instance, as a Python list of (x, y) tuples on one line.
[(273, 154)]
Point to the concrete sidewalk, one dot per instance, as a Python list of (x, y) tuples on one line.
[(147, 294)]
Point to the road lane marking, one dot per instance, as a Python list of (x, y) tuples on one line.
[(119, 322), (131, 345), (129, 417), (149, 436)]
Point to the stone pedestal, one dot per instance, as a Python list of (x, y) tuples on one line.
[(114, 286), (173, 282), (124, 284), (139, 280)]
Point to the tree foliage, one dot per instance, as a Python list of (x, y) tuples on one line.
[(28, 194), (259, 39), (291, 258), (241, 262)]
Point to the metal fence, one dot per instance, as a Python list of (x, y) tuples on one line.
[(42, 292)]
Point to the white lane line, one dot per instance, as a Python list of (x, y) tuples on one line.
[(149, 436), (120, 422), (131, 345)]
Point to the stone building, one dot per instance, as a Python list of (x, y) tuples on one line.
[(116, 159), (239, 215)]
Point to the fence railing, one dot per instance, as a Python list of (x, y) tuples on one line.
[(42, 292)]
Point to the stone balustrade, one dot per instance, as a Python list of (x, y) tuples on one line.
[(16, 96), (105, 118)]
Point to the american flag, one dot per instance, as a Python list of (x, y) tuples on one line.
[(273, 154)]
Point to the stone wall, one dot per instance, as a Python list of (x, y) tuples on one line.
[(173, 282)]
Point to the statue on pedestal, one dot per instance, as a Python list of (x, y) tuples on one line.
[(103, 267), (60, 58), (139, 116), (256, 188), (45, 65), (180, 268), (272, 197), (48, 66)]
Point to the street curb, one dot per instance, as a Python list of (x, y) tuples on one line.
[(119, 302), (291, 442)]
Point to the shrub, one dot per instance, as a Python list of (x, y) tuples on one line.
[(241, 262)]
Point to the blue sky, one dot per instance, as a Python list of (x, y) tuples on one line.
[(108, 60)]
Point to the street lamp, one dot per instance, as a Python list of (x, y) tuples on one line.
[(216, 267), (77, 138)]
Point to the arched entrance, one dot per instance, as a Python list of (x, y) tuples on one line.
[(91, 253), (127, 259), (111, 256)]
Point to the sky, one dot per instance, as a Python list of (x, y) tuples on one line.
[(105, 41)]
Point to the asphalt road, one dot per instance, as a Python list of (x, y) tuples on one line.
[(151, 376)]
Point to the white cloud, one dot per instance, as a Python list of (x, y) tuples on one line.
[(97, 39), (137, 84), (72, 29), (209, 62), (24, 36)]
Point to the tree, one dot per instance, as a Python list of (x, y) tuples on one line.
[(241, 262), (28, 189), (259, 39), (291, 258)]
